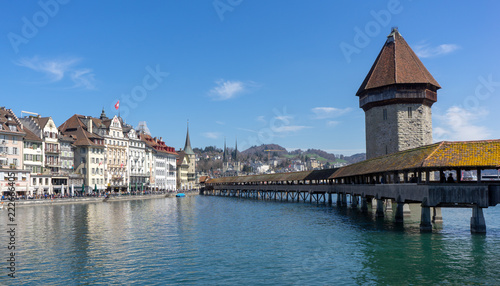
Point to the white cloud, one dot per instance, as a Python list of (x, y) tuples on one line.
[(211, 135), (83, 78), (329, 112), (220, 122), (426, 51), (246, 129), (261, 118), (289, 128), (226, 89), (57, 69), (332, 123), (461, 124)]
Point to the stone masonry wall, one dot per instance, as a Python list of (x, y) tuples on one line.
[(398, 131)]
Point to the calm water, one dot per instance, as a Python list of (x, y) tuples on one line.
[(228, 241)]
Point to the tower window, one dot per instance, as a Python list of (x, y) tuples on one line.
[(409, 112), (385, 114)]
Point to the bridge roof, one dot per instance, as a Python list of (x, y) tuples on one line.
[(279, 177), (443, 155)]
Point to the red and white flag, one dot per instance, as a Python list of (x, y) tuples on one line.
[(117, 105)]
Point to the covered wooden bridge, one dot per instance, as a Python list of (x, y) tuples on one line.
[(412, 176)]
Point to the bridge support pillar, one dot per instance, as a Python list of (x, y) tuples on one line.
[(364, 204), (388, 205), (477, 223), (425, 217), (399, 212), (380, 208), (330, 198), (436, 215), (406, 210), (339, 199), (354, 201), (344, 199)]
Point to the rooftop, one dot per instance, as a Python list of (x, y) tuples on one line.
[(396, 64)]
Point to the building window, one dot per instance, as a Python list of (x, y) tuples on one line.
[(385, 114), (409, 112)]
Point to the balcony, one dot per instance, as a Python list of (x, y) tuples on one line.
[(52, 151), (53, 164)]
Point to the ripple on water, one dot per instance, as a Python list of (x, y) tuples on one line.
[(227, 241)]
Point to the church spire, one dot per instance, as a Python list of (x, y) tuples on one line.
[(187, 147), (236, 151), (224, 154)]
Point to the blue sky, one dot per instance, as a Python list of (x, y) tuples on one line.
[(282, 72)]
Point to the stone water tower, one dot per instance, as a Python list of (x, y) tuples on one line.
[(397, 95)]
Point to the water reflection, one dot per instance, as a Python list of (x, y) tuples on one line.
[(227, 241)]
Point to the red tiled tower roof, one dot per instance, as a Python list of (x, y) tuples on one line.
[(396, 64)]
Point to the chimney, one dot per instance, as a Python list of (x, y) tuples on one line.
[(89, 124)]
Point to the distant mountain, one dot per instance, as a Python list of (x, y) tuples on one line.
[(355, 158), (328, 156), (260, 150)]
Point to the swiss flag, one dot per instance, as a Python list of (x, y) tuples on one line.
[(117, 105)]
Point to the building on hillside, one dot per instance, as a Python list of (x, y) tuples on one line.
[(230, 160), (313, 164), (11, 153), (89, 151), (397, 95)]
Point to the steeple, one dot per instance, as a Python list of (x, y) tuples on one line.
[(187, 147), (103, 115), (236, 151), (224, 158)]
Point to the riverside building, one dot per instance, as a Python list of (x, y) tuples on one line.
[(11, 152), (116, 156), (138, 170), (186, 166), (89, 151), (161, 160)]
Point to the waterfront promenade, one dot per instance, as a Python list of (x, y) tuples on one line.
[(98, 199)]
